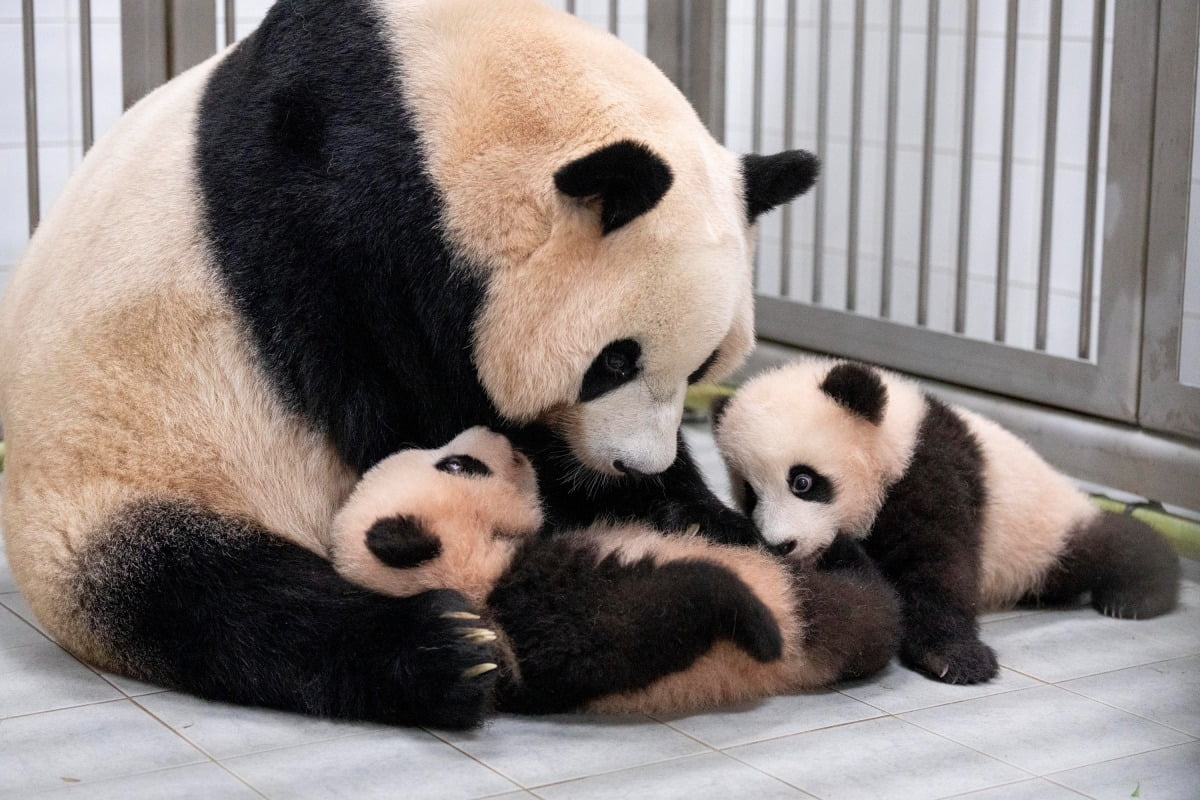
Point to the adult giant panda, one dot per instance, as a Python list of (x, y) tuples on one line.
[(371, 224)]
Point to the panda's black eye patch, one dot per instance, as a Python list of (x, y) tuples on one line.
[(616, 365), (808, 484), (703, 368), (464, 465), (749, 498)]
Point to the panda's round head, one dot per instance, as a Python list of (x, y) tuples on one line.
[(812, 447), (612, 234), (445, 518)]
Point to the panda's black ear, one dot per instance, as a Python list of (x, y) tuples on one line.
[(626, 177), (771, 181), (716, 408), (402, 542), (858, 389)]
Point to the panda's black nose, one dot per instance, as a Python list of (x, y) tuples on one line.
[(784, 548)]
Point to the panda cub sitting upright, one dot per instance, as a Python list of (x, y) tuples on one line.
[(958, 512), (722, 623)]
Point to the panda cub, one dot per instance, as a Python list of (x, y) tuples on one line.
[(722, 623), (959, 513)]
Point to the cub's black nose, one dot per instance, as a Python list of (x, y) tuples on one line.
[(621, 467)]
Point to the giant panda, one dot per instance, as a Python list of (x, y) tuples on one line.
[(371, 224), (960, 514), (740, 623)]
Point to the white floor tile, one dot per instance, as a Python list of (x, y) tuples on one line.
[(1045, 729), (16, 602), (771, 718), (875, 759), (224, 731), (712, 776), (1036, 789), (43, 751), (1057, 645), (131, 687), (385, 764), (41, 676), (1167, 692), (898, 689), (195, 782), (1170, 774), (15, 632), (7, 582), (538, 750)]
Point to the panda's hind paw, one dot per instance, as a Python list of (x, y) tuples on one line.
[(962, 661)]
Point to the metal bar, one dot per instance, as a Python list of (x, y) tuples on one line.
[(85, 74), (143, 48), (231, 21), (931, 57), (32, 179), (967, 148), (789, 141), (612, 17), (1166, 402), (191, 33), (1088, 266), (1006, 156), (570, 6), (889, 162), (818, 264), (760, 23), (856, 101), (1049, 164)]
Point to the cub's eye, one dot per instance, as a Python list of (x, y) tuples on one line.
[(463, 465), (802, 482), (809, 485), (614, 366)]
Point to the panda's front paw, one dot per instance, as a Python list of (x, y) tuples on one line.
[(460, 660), (958, 661)]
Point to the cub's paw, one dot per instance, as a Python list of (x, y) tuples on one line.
[(959, 661), (1141, 602), (456, 663)]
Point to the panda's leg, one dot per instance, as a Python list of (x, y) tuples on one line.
[(939, 592), (188, 598), (582, 624), (1131, 571)]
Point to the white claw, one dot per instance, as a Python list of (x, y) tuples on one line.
[(459, 615), (478, 635), (479, 669), (692, 530)]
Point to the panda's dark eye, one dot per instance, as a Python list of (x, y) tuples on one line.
[(464, 465), (808, 484), (617, 364), (750, 498)]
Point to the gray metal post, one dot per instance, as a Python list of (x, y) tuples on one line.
[(686, 39), (162, 38)]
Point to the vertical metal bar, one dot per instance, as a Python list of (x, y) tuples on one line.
[(1049, 164), (85, 73), (143, 48), (856, 101), (931, 56), (191, 33), (1006, 156), (570, 6), (688, 44), (967, 148), (759, 29), (889, 161), (230, 22), (1088, 267), (789, 140), (818, 266), (612, 17), (32, 179)]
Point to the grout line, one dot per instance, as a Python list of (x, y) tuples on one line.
[(1048, 775), (64, 708), (615, 771)]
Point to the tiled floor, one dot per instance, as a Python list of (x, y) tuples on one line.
[(1085, 707)]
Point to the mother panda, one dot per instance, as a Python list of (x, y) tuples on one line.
[(370, 225)]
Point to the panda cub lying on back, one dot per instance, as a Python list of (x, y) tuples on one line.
[(959, 513), (723, 623)]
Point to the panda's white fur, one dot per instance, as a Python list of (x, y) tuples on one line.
[(944, 498)]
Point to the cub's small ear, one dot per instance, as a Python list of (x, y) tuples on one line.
[(402, 542), (716, 408), (626, 177), (858, 389), (771, 181)]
